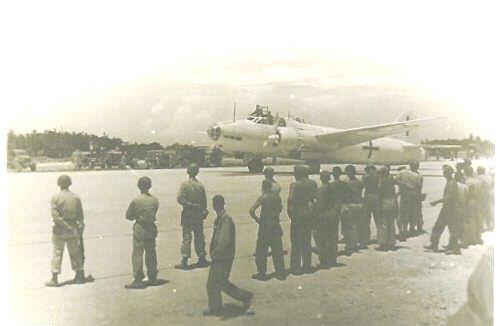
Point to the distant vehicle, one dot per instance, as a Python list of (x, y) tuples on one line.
[(264, 135), (113, 159), (157, 159), (81, 159), (18, 159)]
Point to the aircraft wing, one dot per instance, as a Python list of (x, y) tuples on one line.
[(359, 135)]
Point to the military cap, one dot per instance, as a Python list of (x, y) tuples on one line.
[(64, 181), (324, 174), (350, 168), (336, 170), (268, 171), (144, 183), (193, 169), (370, 167)]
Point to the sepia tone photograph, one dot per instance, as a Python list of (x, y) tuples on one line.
[(252, 163)]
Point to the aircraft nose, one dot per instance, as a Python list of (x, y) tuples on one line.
[(214, 132)]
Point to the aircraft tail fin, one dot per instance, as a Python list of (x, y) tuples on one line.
[(409, 136)]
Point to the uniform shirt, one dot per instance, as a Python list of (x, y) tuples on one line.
[(387, 187), (354, 188), (66, 206), (301, 195), (276, 188), (324, 198), (143, 209), (338, 192), (370, 182), (193, 198), (223, 244), (450, 195), (409, 181), (462, 195), (270, 207), (474, 186)]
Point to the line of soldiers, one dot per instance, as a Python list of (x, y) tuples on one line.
[(315, 212)]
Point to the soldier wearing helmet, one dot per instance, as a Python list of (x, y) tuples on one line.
[(142, 210), (352, 210), (326, 225), (193, 198), (371, 202), (300, 201), (67, 216), (448, 215), (269, 175)]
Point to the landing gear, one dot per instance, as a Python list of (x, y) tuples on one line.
[(255, 165), (314, 167)]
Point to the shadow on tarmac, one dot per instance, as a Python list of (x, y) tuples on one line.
[(231, 311)]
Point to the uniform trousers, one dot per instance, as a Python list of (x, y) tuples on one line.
[(269, 236), (188, 230), (59, 241), (144, 248), (218, 282), (301, 251)]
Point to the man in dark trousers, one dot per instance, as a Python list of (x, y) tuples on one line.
[(222, 251), (353, 210), (193, 198), (270, 232), (300, 200), (67, 215), (448, 215), (371, 202), (142, 210)]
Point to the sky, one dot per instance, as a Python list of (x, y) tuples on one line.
[(154, 71)]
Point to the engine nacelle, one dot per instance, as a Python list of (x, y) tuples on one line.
[(288, 139)]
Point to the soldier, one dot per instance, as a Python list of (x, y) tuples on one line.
[(270, 232), (193, 198), (388, 211), (414, 166), (269, 174), (474, 192), (326, 223), (67, 215), (447, 215), (410, 186), (464, 226), (486, 202), (353, 211), (143, 211), (300, 201), (222, 250), (371, 203), (338, 193)]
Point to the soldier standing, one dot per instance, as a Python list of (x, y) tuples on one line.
[(474, 187), (486, 203), (193, 198), (326, 223), (269, 174), (414, 166), (222, 250), (300, 201), (388, 212), (339, 191), (143, 211), (371, 205), (410, 185), (465, 227), (270, 232), (353, 210), (447, 215), (67, 215)]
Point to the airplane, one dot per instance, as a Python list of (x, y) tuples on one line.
[(263, 135)]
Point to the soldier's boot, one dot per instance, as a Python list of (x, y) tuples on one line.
[(53, 282), (137, 283), (453, 251), (259, 276), (79, 277), (183, 264), (202, 262)]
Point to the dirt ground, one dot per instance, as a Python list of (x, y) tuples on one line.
[(404, 287)]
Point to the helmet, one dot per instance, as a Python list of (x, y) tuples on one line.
[(268, 171), (64, 181), (144, 183), (193, 169)]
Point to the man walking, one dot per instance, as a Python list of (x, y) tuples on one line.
[(67, 215), (222, 251), (193, 198), (142, 210)]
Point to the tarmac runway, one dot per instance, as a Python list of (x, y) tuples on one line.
[(405, 287)]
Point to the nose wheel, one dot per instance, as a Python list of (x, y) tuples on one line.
[(255, 165)]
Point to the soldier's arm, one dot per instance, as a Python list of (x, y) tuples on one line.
[(182, 198), (253, 209), (130, 215), (204, 198), (57, 217)]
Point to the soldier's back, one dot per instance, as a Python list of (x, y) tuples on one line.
[(68, 204), (146, 205)]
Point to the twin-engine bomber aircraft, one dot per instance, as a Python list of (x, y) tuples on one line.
[(262, 135)]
